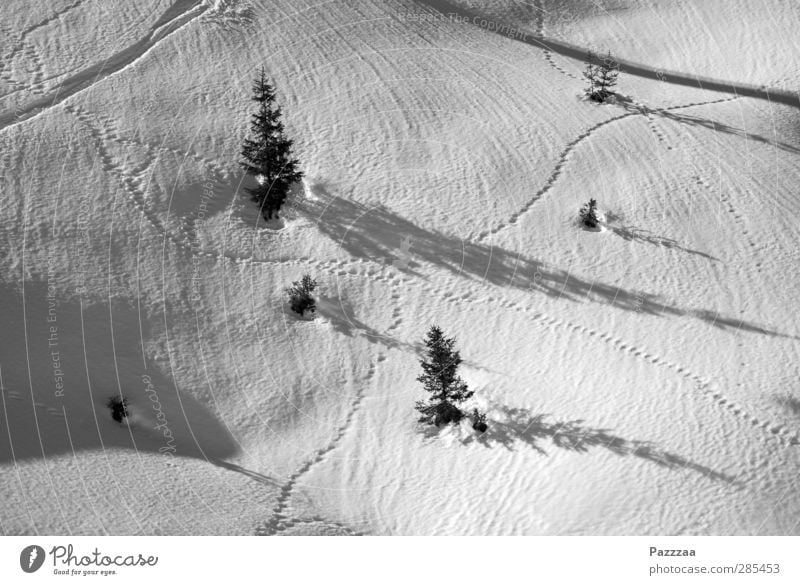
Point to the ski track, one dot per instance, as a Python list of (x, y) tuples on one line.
[(37, 76), (21, 39), (94, 74), (564, 156)]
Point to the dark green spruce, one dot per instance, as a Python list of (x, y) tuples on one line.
[(267, 152), (441, 381)]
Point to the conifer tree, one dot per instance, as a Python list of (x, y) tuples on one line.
[(440, 379), (601, 75), (592, 74), (588, 214), (479, 420), (300, 297), (267, 152), (609, 71)]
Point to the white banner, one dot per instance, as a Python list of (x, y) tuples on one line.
[(355, 560)]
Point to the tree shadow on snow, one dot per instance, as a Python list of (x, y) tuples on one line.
[(628, 105), (510, 31), (642, 236), (515, 426), (340, 315), (373, 232)]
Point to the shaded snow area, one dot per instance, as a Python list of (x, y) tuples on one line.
[(640, 377)]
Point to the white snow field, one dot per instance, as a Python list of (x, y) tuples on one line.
[(641, 379)]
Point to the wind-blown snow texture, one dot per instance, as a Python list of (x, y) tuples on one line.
[(641, 379)]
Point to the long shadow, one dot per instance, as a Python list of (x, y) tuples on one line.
[(510, 30), (259, 477), (340, 314), (642, 236), (629, 105), (375, 232), (62, 359), (516, 426)]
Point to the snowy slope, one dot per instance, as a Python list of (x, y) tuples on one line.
[(638, 380)]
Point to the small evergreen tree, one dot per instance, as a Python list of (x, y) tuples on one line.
[(440, 379), (588, 214), (300, 299), (479, 421), (601, 75), (609, 72), (592, 75), (119, 407), (267, 152)]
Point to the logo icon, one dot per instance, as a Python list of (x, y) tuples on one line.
[(31, 558)]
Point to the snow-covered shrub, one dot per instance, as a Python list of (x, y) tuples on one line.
[(479, 421), (588, 214), (119, 407), (300, 298)]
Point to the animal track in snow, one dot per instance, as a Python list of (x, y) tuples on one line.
[(132, 183), (20, 44), (96, 73), (548, 54), (704, 385), (562, 159), (565, 155), (280, 520)]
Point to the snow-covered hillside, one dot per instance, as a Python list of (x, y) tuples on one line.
[(640, 379)]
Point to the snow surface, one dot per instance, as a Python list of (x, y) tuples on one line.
[(641, 379)]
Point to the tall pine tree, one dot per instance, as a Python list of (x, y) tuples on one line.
[(441, 381), (267, 152)]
